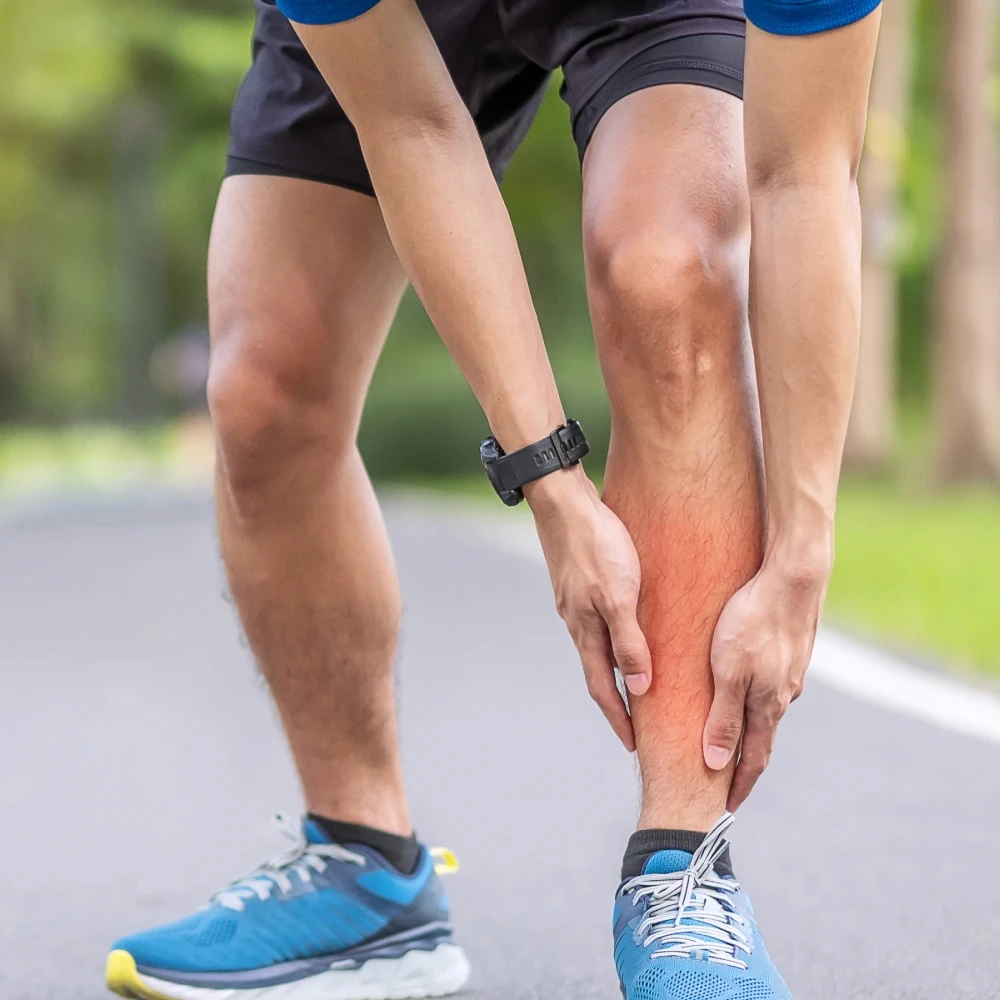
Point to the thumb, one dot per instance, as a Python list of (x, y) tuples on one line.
[(725, 723), (631, 651)]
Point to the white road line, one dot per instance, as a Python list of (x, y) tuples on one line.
[(880, 679), (840, 662)]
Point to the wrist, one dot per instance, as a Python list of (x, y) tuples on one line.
[(525, 418), (800, 522), (559, 492), (801, 554)]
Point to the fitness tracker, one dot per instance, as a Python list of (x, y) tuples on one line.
[(508, 474)]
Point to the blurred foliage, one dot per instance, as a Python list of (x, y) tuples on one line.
[(101, 102), (76, 81)]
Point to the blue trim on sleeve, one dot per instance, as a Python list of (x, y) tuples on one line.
[(806, 17), (324, 11)]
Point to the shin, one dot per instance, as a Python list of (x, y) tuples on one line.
[(667, 244), (303, 285)]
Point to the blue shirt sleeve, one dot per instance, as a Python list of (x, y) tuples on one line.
[(806, 17), (324, 11)]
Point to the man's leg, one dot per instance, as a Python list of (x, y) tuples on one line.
[(303, 284), (666, 234)]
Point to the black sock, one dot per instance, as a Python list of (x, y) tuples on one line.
[(402, 853), (644, 843)]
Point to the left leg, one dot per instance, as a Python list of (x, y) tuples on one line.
[(666, 231), (666, 234)]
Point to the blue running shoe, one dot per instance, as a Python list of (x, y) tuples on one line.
[(685, 932), (321, 922)]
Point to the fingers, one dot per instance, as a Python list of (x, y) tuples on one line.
[(766, 704), (725, 719), (599, 669), (754, 758), (629, 647)]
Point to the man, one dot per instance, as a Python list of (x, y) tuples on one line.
[(730, 505)]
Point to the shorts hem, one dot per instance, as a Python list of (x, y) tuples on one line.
[(243, 165), (645, 72)]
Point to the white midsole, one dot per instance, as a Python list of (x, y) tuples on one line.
[(416, 974)]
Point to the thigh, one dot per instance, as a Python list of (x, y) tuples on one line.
[(610, 48), (303, 285)]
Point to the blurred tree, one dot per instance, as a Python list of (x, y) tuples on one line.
[(967, 404), (921, 214), (871, 431), (138, 239), (81, 261)]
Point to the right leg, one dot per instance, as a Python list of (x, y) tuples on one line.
[(303, 285)]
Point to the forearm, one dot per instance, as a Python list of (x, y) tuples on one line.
[(806, 98), (805, 313), (443, 210), (453, 235), (806, 101)]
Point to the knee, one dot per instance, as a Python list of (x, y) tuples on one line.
[(272, 405), (669, 308)]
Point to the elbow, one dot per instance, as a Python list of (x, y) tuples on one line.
[(774, 171), (794, 190), (416, 117)]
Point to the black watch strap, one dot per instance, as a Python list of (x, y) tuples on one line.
[(564, 447)]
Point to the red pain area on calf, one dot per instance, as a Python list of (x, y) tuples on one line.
[(691, 564)]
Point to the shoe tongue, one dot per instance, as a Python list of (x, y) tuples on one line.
[(314, 833), (666, 862)]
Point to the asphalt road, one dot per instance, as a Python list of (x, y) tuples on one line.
[(141, 763)]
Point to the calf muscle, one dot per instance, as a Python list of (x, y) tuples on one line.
[(698, 543)]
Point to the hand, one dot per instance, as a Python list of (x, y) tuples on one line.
[(760, 651), (595, 576)]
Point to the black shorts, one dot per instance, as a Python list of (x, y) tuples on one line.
[(500, 54)]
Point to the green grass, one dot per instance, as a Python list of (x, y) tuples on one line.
[(920, 571), (101, 457)]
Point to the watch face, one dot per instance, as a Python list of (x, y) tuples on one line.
[(491, 452)]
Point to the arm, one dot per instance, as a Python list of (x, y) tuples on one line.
[(805, 108), (450, 228), (443, 209)]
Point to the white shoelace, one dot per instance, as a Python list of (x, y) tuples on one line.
[(301, 860), (690, 913)]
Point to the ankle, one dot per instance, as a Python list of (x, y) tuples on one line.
[(700, 817), (388, 813), (402, 852), (643, 844)]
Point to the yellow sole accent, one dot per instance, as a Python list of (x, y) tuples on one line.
[(445, 862), (124, 979)]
